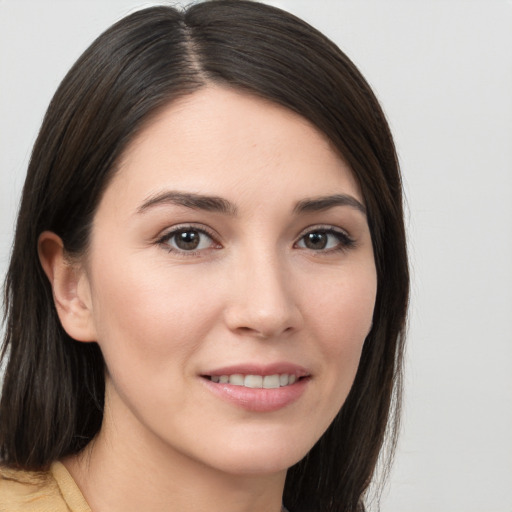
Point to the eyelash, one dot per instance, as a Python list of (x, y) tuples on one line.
[(167, 237), (344, 241)]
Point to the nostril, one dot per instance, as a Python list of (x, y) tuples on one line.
[(263, 334), (259, 318)]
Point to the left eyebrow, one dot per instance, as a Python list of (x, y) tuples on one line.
[(318, 204)]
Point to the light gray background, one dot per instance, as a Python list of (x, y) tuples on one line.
[(443, 71)]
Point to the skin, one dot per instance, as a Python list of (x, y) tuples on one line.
[(253, 292)]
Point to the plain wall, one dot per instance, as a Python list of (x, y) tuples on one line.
[(443, 71)]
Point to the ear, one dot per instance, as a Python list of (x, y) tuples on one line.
[(71, 289)]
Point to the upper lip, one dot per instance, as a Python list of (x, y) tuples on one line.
[(278, 368)]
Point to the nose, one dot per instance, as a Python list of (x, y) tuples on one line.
[(263, 302)]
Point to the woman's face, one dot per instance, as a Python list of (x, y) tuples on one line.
[(231, 245)]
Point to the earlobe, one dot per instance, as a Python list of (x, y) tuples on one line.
[(71, 291)]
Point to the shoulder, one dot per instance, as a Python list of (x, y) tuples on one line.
[(29, 491)]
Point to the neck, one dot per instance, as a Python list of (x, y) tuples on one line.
[(125, 470)]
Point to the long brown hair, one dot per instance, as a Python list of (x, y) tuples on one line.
[(52, 400)]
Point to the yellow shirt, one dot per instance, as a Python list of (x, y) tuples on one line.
[(45, 491)]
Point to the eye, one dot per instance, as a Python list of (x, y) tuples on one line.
[(325, 240), (187, 239)]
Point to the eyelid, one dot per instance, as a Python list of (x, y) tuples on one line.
[(324, 227), (347, 241), (167, 234)]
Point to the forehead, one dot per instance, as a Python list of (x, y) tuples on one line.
[(230, 143)]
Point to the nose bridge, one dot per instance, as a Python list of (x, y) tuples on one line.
[(264, 302)]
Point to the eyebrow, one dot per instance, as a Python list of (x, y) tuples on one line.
[(189, 200), (318, 204), (221, 205)]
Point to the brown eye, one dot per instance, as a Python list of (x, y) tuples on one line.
[(325, 240), (187, 240), (316, 241)]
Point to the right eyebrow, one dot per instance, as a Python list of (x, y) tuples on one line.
[(189, 200)]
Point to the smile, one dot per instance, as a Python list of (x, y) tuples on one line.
[(258, 388), (255, 381)]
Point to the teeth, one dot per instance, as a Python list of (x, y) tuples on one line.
[(252, 381), (256, 381), (271, 381), (237, 380)]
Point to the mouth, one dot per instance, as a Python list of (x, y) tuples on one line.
[(258, 388), (255, 381)]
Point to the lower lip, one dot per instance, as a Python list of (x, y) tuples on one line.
[(258, 399)]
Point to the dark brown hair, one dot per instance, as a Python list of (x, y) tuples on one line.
[(52, 400)]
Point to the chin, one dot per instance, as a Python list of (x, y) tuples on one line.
[(265, 454), (253, 466)]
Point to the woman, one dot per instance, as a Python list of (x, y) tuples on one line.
[(207, 292)]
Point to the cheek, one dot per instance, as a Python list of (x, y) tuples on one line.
[(151, 321), (342, 309), (147, 312), (341, 318)]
